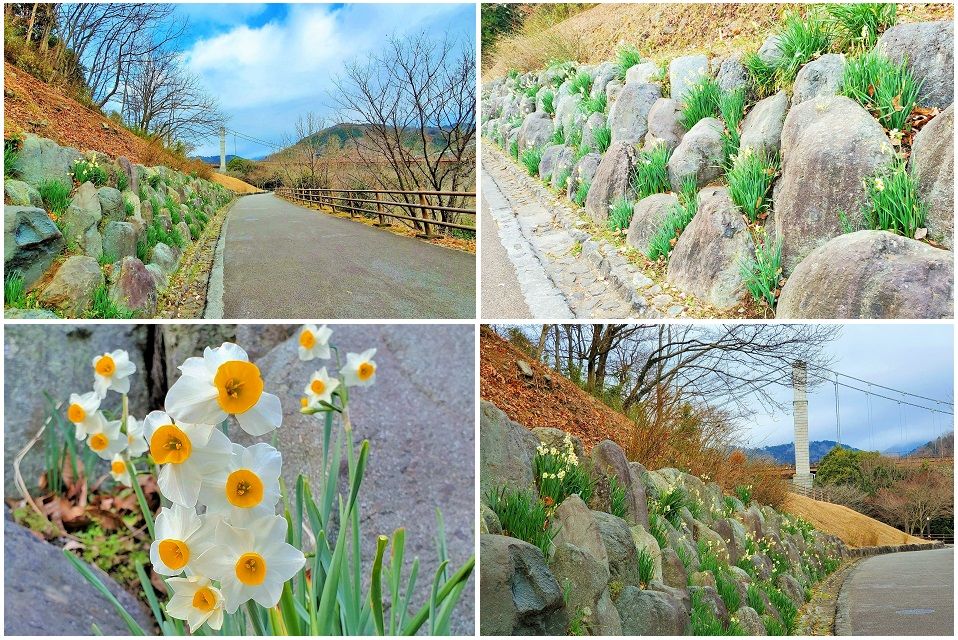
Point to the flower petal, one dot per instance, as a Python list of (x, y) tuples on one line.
[(263, 417)]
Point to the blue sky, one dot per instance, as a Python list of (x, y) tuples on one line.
[(269, 63), (914, 358)]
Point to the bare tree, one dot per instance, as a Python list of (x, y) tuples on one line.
[(304, 160), (917, 500)]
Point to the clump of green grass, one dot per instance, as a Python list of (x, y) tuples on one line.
[(616, 498), (651, 174), (727, 589), (704, 621), (14, 289), (646, 567), (581, 84), (602, 136), (786, 608), (669, 504), (122, 181), (155, 180), (573, 137), (11, 154), (627, 57), (856, 26), (532, 91), (581, 193), (702, 101), (128, 208), (563, 178), (531, 159), (893, 203), (884, 88), (522, 516), (799, 40), (142, 251), (514, 149), (558, 134), (620, 215), (104, 307), (762, 273), (581, 151), (749, 181), (679, 217), (88, 170), (753, 598), (55, 195), (106, 258), (548, 102), (513, 73), (597, 104), (731, 106)]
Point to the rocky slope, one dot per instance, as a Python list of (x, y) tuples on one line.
[(121, 231), (678, 558), (594, 127)]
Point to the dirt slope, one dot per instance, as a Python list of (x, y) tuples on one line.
[(234, 184), (536, 403), (855, 529)]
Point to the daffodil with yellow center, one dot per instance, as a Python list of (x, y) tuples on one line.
[(252, 562), (120, 471), (105, 438), (81, 412), (314, 342), (220, 384), (320, 388), (112, 371), (360, 369), (197, 601), (181, 536), (250, 486), (188, 454)]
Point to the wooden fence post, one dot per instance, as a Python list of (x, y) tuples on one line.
[(425, 217), (379, 209)]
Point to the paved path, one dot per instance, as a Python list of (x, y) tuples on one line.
[(900, 594), (284, 261)]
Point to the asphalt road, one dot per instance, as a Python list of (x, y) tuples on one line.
[(284, 261), (900, 594), (501, 294)]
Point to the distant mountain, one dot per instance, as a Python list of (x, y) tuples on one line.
[(785, 453), (939, 447), (332, 140), (903, 449), (215, 160)]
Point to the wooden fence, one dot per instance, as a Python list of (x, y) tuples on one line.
[(420, 207)]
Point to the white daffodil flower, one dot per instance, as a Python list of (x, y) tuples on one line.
[(112, 371), (320, 388), (314, 342), (360, 369), (119, 471), (82, 410), (105, 438), (250, 487), (197, 601), (135, 441), (221, 383), (181, 536), (251, 563), (189, 455)]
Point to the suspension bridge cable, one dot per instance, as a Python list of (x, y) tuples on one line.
[(879, 395), (881, 386)]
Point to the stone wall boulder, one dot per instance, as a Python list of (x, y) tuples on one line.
[(547, 163), (111, 203), (871, 274), (685, 72), (119, 239), (583, 172), (81, 219), (593, 122), (70, 291), (536, 130), (791, 587), (750, 621), (651, 613), (132, 178), (730, 73), (933, 165), (520, 595), (820, 77), (674, 573), (585, 580), (699, 155), (713, 540), (641, 73), (665, 124), (829, 146), (21, 194), (568, 113), (575, 524), (42, 159), (762, 126), (31, 242), (705, 260), (132, 286), (710, 596), (629, 116), (612, 179), (608, 459), (562, 170), (648, 214), (604, 74), (506, 450), (646, 542), (928, 50)]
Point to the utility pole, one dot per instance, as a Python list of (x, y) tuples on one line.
[(222, 149), (803, 472)]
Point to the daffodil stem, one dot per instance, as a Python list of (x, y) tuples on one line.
[(140, 498), (125, 415)]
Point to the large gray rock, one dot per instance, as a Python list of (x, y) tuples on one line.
[(165, 258), (665, 124), (70, 291), (711, 598), (575, 524), (771, 49), (119, 239), (651, 613), (547, 163), (620, 547), (81, 219), (629, 116), (791, 587), (731, 73), (608, 460), (568, 113), (750, 621), (700, 154), (583, 172), (584, 581), (829, 146), (648, 214), (562, 168), (928, 49), (871, 274), (506, 450), (933, 165), (705, 260), (595, 121), (132, 177), (641, 73), (612, 179), (520, 596), (133, 287), (820, 77), (21, 194), (536, 130), (111, 203), (31, 242), (674, 573), (762, 126), (42, 159), (685, 72)]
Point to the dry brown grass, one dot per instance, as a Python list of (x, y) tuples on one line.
[(659, 31), (234, 184), (853, 528)]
